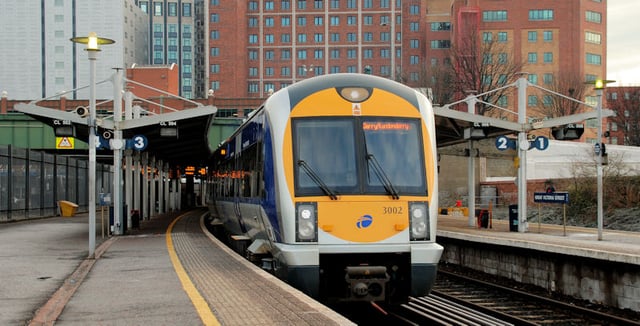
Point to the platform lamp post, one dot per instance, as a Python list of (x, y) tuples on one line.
[(599, 87), (93, 43)]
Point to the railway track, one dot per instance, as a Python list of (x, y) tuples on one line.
[(460, 300)]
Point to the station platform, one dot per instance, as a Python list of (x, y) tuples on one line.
[(618, 246), (169, 272)]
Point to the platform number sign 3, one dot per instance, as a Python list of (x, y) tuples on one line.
[(139, 142)]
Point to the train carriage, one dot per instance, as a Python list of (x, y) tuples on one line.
[(333, 181)]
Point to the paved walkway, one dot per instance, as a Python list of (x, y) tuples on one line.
[(145, 278)]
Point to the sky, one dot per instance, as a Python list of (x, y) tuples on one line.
[(623, 44)]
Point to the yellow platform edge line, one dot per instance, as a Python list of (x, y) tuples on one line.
[(207, 317)]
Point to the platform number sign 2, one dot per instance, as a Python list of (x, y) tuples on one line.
[(503, 143)]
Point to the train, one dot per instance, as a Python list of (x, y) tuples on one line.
[(331, 185)]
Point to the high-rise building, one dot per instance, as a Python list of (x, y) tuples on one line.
[(260, 45), (175, 28), (40, 61)]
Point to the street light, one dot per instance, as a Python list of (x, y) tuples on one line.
[(93, 43), (599, 87)]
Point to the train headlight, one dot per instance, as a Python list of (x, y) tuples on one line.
[(306, 222), (419, 217)]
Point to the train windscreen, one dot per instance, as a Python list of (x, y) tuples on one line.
[(357, 155)]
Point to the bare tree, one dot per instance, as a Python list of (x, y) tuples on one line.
[(627, 116), (571, 85), (483, 64), (439, 79)]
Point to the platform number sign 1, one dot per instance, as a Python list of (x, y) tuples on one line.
[(541, 143)]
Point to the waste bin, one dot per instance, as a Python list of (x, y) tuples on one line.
[(482, 218), (135, 219), (67, 208), (513, 218)]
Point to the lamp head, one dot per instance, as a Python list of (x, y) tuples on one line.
[(92, 41)]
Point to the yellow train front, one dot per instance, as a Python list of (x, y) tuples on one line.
[(346, 171)]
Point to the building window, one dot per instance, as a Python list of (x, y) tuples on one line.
[(335, 4), (302, 21), (414, 10), (335, 37), (335, 54), (414, 44), (352, 20), (268, 71), (548, 36), (215, 18), (318, 37), (253, 55), (268, 22), (317, 4), (494, 16), (269, 55), (594, 38), (414, 26), (215, 35), (541, 14), (215, 68), (253, 22), (215, 52), (367, 20), (254, 88), (302, 38), (172, 9), (318, 54), (385, 53), (367, 37), (285, 71), (302, 54), (285, 38), (533, 79), (334, 20), (253, 38), (268, 5), (157, 8), (502, 37), (548, 57), (532, 36), (594, 59), (285, 21), (318, 21), (285, 4), (547, 100), (444, 26), (593, 17), (414, 60), (532, 100), (352, 53), (351, 4), (186, 10), (440, 44), (253, 71), (268, 38), (532, 57), (302, 4), (547, 78), (351, 37), (487, 37), (285, 54)]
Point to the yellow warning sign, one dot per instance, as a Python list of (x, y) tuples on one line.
[(65, 142)]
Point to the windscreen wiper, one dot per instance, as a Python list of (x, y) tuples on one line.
[(388, 186), (316, 178)]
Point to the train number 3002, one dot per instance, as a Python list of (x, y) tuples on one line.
[(392, 210)]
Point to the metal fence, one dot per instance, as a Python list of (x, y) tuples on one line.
[(32, 182)]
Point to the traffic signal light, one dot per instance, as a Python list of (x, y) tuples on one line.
[(570, 131), (367, 70)]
